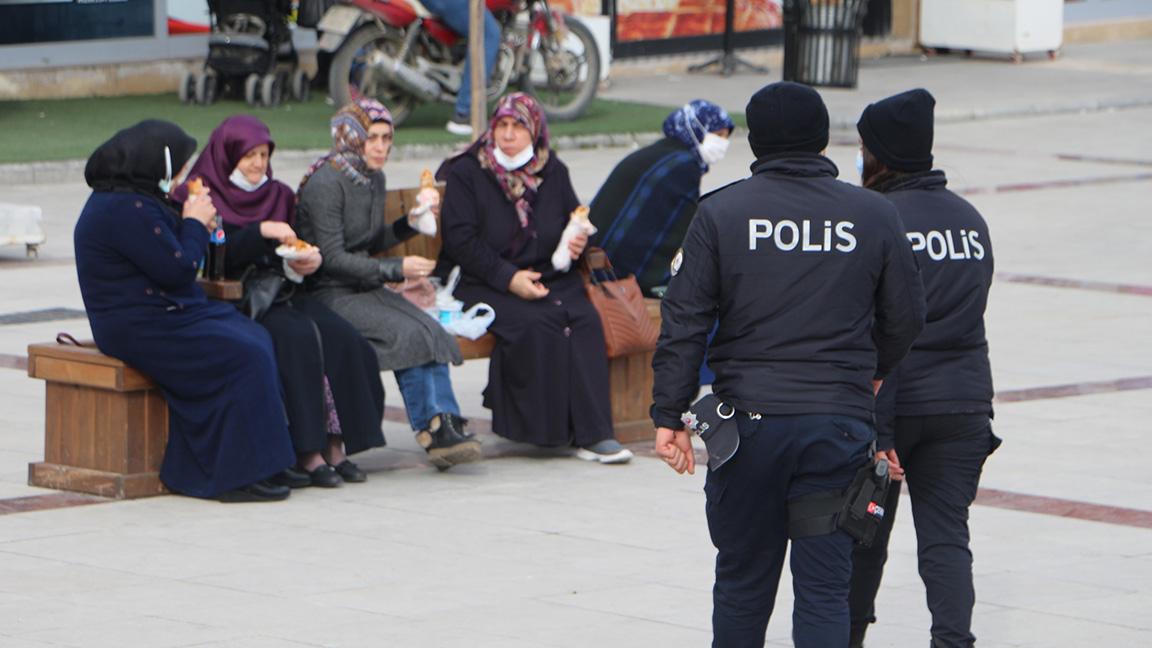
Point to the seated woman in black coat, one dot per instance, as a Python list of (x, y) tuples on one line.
[(507, 203), (332, 388), (137, 260)]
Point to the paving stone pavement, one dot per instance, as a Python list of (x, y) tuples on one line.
[(536, 549)]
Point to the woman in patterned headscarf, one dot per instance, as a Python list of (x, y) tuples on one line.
[(643, 209), (341, 210), (507, 203)]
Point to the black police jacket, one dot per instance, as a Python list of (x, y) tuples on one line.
[(812, 283), (947, 370)]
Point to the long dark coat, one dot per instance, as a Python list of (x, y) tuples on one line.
[(312, 343), (137, 263), (548, 375)]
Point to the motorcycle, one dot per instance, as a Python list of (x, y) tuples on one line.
[(400, 54)]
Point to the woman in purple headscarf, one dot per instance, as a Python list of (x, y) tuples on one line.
[(507, 203), (332, 389), (341, 209)]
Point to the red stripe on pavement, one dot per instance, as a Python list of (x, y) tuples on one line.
[(1064, 508), (1074, 389), (1080, 284)]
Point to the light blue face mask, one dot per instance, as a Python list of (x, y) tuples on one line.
[(166, 183), (860, 163)]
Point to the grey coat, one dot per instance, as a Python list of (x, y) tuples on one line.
[(346, 221)]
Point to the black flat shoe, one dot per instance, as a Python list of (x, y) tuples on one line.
[(324, 476), (350, 472), (261, 491), (292, 478)]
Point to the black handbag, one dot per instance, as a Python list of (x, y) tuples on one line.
[(263, 288)]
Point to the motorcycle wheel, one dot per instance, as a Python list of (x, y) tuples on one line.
[(347, 78), (564, 76)]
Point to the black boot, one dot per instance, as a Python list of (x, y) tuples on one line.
[(447, 442)]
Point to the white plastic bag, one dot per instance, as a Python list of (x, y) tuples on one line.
[(474, 322)]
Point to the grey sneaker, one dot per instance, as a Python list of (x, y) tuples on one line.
[(608, 451), (460, 125)]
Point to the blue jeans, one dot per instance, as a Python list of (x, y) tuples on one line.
[(454, 13), (427, 391)]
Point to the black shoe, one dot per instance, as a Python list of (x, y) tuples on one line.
[(447, 442), (261, 491), (324, 476), (350, 472), (292, 478)]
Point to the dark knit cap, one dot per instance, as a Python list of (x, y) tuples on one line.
[(898, 130), (786, 117)]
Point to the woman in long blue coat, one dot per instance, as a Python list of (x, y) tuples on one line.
[(137, 260)]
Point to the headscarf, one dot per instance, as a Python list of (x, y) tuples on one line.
[(692, 121), (229, 143), (519, 185), (349, 133), (134, 161)]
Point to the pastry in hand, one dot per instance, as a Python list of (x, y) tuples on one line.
[(578, 224), (421, 217)]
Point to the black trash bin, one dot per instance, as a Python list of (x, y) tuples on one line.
[(822, 41)]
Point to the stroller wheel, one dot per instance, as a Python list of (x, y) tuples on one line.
[(187, 89), (252, 89), (301, 86), (271, 90), (206, 88)]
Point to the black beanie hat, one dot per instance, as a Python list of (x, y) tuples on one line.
[(785, 117), (898, 130)]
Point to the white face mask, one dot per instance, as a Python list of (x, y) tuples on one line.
[(165, 184), (237, 178), (860, 163), (514, 162), (713, 148)]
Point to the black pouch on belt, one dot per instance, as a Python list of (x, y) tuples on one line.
[(714, 421), (858, 511)]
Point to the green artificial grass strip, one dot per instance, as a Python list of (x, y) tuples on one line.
[(67, 129)]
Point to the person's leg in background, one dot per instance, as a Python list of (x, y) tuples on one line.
[(868, 570), (454, 13), (943, 475), (868, 562)]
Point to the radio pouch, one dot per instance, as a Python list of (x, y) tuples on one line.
[(858, 511), (714, 420)]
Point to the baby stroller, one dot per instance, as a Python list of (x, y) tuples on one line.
[(250, 47)]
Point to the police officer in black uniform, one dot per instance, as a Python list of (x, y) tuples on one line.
[(817, 296), (934, 411)]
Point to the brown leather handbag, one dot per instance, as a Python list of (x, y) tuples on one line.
[(628, 328)]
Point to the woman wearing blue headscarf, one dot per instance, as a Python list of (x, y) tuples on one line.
[(643, 209)]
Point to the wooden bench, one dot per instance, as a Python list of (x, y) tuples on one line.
[(106, 424)]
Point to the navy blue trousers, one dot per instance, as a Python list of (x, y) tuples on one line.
[(943, 457), (781, 458)]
